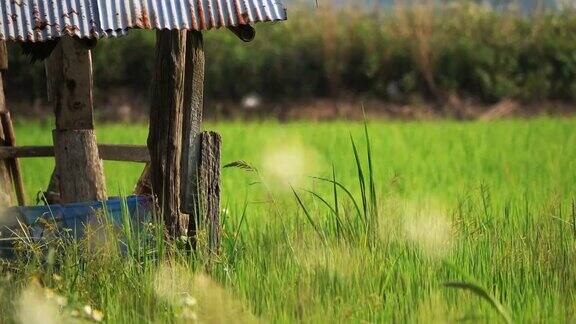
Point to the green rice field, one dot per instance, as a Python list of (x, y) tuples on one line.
[(436, 221)]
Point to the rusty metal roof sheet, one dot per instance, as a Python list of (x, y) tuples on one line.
[(40, 20)]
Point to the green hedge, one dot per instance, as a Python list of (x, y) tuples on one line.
[(395, 54)]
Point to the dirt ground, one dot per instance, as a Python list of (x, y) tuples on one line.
[(129, 107)]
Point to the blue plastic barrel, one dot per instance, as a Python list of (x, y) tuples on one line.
[(69, 219)]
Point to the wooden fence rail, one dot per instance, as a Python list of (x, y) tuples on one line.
[(123, 153)]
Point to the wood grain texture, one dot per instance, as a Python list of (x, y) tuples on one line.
[(165, 136), (207, 200), (69, 75), (193, 108), (78, 166), (26, 152), (108, 152)]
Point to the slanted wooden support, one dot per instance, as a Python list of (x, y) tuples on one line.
[(78, 166), (165, 137), (3, 57), (144, 185), (13, 163), (6, 183), (52, 195)]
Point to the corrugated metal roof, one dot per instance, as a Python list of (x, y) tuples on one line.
[(40, 20)]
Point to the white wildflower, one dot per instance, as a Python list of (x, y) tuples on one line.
[(97, 315)]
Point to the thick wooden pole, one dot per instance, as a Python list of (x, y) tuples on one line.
[(6, 183), (78, 165), (185, 163), (165, 137)]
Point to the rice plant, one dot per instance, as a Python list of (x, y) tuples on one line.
[(434, 221)]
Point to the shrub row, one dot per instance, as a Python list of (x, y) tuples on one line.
[(392, 54)]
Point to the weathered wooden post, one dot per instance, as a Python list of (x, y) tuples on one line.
[(78, 165), (200, 174), (166, 118), (185, 164), (203, 188)]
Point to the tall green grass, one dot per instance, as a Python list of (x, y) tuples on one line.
[(376, 231)]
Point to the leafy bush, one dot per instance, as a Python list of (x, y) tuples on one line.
[(395, 54)]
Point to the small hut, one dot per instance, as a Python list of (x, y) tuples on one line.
[(182, 163)]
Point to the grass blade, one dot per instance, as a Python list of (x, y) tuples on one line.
[(361, 179), (574, 217), (482, 293), (324, 201), (348, 193), (237, 232), (335, 190), (336, 205), (310, 220), (372, 182), (339, 223)]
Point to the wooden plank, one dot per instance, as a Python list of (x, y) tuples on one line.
[(193, 108), (7, 153), (78, 166), (14, 164), (165, 136), (121, 153), (205, 202), (69, 74)]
